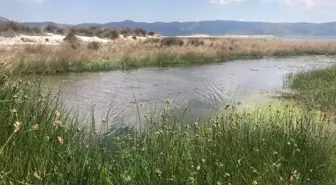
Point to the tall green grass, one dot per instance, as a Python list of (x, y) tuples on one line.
[(268, 146), (316, 88), (39, 146), (264, 147), (64, 64)]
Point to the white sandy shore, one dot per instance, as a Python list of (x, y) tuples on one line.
[(53, 39), (231, 36)]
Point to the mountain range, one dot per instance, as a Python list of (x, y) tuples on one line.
[(218, 27)]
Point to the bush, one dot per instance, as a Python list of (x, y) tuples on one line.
[(134, 37), (51, 28), (94, 45), (36, 29), (196, 42), (113, 34), (140, 32), (85, 32), (125, 32), (172, 41), (100, 33), (151, 33), (11, 25), (72, 40), (60, 31), (17, 27), (152, 40)]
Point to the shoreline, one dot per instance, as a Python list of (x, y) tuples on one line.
[(131, 63), (123, 54)]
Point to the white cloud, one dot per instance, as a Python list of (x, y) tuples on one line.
[(223, 2), (307, 3)]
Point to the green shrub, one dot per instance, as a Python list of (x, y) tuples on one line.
[(140, 32), (172, 41), (151, 33), (51, 28), (196, 42), (18, 28), (126, 32), (113, 34)]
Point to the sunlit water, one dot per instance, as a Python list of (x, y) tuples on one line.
[(312, 38), (204, 90)]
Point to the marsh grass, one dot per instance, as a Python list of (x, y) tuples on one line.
[(248, 148), (40, 143), (122, 54), (316, 88)]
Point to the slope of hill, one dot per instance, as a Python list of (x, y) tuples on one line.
[(218, 27), (3, 20), (231, 27)]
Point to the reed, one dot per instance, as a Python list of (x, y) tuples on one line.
[(125, 54)]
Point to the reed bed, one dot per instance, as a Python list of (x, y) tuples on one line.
[(316, 88), (121, 54)]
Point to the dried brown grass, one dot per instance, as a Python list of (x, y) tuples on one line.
[(146, 49)]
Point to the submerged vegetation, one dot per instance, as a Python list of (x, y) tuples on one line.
[(40, 143)]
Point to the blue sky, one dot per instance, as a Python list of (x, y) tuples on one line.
[(100, 11)]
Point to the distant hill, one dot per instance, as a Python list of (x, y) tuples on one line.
[(218, 27), (9, 28), (3, 20), (44, 24)]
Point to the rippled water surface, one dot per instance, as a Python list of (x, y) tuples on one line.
[(203, 89)]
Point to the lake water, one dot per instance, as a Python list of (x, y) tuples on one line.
[(314, 38), (204, 90)]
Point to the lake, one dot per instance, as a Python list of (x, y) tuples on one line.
[(203, 90), (314, 38)]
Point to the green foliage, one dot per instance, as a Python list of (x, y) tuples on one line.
[(64, 63), (151, 33), (51, 28), (316, 88), (18, 28), (196, 42), (113, 34), (39, 146), (267, 146), (172, 41), (140, 32)]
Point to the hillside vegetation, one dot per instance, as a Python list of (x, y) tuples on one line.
[(11, 28)]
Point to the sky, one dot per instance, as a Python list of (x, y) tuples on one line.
[(102, 11)]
